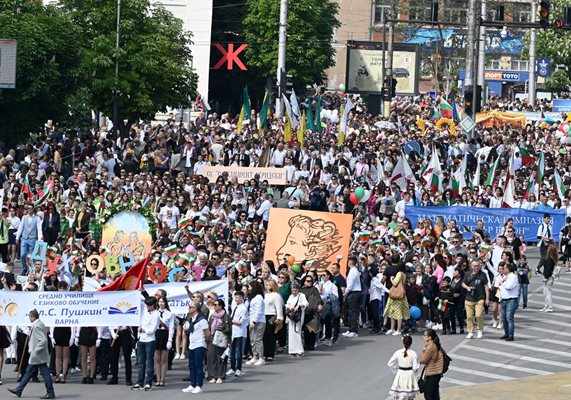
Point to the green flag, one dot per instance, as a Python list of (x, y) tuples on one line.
[(317, 124), (309, 116), (264, 110), (247, 105)]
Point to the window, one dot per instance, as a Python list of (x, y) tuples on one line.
[(381, 9), (419, 13), (455, 15), (523, 16)]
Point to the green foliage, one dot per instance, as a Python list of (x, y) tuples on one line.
[(154, 57), (48, 66), (553, 43), (311, 24), (558, 82)]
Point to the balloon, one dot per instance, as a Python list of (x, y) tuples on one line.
[(353, 199), (295, 268), (366, 197), (342, 94), (359, 192), (290, 260), (342, 87), (415, 312)]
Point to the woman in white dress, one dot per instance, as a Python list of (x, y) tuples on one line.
[(405, 363), (295, 302)]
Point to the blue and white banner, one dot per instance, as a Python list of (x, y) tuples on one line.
[(526, 222), (178, 298), (72, 308)]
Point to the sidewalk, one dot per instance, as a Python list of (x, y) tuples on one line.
[(548, 387)]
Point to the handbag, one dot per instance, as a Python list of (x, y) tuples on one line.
[(421, 382), (220, 339), (397, 291)]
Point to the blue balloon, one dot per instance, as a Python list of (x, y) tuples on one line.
[(415, 312)]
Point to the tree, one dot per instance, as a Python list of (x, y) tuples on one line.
[(47, 68), (310, 52), (154, 58), (558, 82), (553, 43)]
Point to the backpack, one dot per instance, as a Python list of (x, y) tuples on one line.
[(446, 363)]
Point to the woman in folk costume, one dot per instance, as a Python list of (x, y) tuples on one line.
[(405, 362)]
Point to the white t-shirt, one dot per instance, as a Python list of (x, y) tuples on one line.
[(196, 339), (169, 215), (239, 312)]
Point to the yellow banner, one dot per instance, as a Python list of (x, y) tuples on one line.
[(499, 119)]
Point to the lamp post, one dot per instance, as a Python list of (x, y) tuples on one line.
[(116, 90)]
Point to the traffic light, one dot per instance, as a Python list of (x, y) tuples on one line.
[(469, 101), (288, 85), (544, 9), (478, 99)]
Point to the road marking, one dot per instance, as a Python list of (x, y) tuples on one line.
[(480, 373), (555, 297), (544, 320), (532, 348), (504, 366), (535, 328), (523, 358), (554, 341), (555, 306), (458, 382), (559, 283)]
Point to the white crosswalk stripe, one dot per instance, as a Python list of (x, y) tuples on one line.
[(541, 345)]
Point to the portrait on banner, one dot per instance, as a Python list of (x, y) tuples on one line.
[(127, 233)]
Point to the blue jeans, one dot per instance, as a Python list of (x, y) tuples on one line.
[(196, 366), (508, 312), (26, 247), (145, 363), (236, 353), (522, 292), (31, 371)]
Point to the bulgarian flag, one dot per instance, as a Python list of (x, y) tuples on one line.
[(364, 236), (27, 189), (446, 109), (442, 240), (559, 186), (433, 175), (202, 221), (171, 251), (492, 173), (377, 242), (184, 222), (203, 103), (541, 167), (442, 305), (44, 193), (104, 252), (526, 158), (51, 251), (240, 266), (183, 259), (416, 237), (196, 234), (485, 248), (425, 242)]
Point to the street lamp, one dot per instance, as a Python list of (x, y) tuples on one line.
[(116, 89)]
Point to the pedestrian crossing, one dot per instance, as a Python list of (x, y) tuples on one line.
[(542, 345)]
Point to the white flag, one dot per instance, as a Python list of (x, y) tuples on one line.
[(345, 117), (291, 115)]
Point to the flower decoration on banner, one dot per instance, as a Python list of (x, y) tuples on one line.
[(146, 212), (421, 124), (446, 122)]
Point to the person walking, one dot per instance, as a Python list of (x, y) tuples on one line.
[(352, 297), (220, 331), (548, 278), (397, 309), (146, 346), (432, 357), (39, 358), (476, 284), (199, 333), (405, 363), (510, 295), (29, 232), (545, 237)]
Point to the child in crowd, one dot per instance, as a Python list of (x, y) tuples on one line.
[(414, 296), (446, 305)]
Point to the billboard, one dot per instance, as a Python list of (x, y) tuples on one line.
[(7, 64), (364, 67)]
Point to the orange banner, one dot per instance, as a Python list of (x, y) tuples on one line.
[(499, 119), (274, 176), (308, 235)]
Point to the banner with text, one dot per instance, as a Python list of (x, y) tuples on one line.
[(526, 222), (72, 308), (178, 298), (274, 176)]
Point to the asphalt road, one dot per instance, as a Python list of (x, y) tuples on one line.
[(356, 368)]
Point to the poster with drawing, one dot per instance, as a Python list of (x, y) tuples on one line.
[(308, 235), (127, 233)]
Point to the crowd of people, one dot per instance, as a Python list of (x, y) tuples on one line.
[(396, 280)]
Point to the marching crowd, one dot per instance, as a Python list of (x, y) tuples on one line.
[(397, 278)]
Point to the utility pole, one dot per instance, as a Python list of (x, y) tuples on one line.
[(532, 53), (471, 43), (116, 94), (482, 54), (389, 64), (281, 72)]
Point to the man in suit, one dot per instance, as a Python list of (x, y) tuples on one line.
[(39, 358)]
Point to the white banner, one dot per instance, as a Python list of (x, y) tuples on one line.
[(72, 308), (176, 293)]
